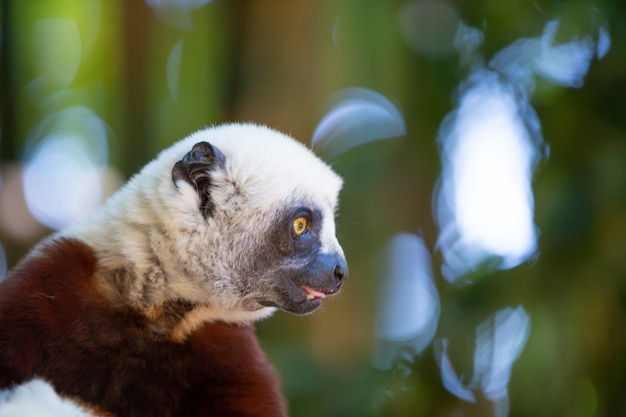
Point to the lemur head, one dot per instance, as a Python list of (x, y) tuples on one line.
[(237, 217), (268, 204)]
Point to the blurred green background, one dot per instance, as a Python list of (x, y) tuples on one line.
[(100, 86)]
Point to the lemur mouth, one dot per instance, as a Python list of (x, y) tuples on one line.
[(313, 294)]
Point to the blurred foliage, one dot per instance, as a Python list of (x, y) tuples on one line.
[(153, 75)]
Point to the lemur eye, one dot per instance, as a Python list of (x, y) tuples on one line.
[(300, 225)]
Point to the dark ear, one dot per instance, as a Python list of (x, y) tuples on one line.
[(195, 168)]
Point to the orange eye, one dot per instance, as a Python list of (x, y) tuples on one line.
[(300, 225)]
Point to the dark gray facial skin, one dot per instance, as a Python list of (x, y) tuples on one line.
[(304, 274)]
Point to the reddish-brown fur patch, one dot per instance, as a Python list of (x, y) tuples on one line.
[(55, 324)]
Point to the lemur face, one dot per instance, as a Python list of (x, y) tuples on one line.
[(304, 258), (272, 204)]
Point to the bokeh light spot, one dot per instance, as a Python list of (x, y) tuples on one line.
[(408, 309), (485, 203), (491, 144), (357, 116), (500, 340), (66, 156), (61, 184)]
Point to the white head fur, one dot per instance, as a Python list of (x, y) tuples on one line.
[(155, 245)]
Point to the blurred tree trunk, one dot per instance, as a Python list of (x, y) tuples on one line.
[(137, 24), (7, 115)]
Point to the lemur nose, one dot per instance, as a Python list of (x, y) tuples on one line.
[(340, 273)]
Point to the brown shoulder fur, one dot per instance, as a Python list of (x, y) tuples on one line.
[(55, 324)]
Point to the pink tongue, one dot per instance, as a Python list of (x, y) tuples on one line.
[(311, 293)]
